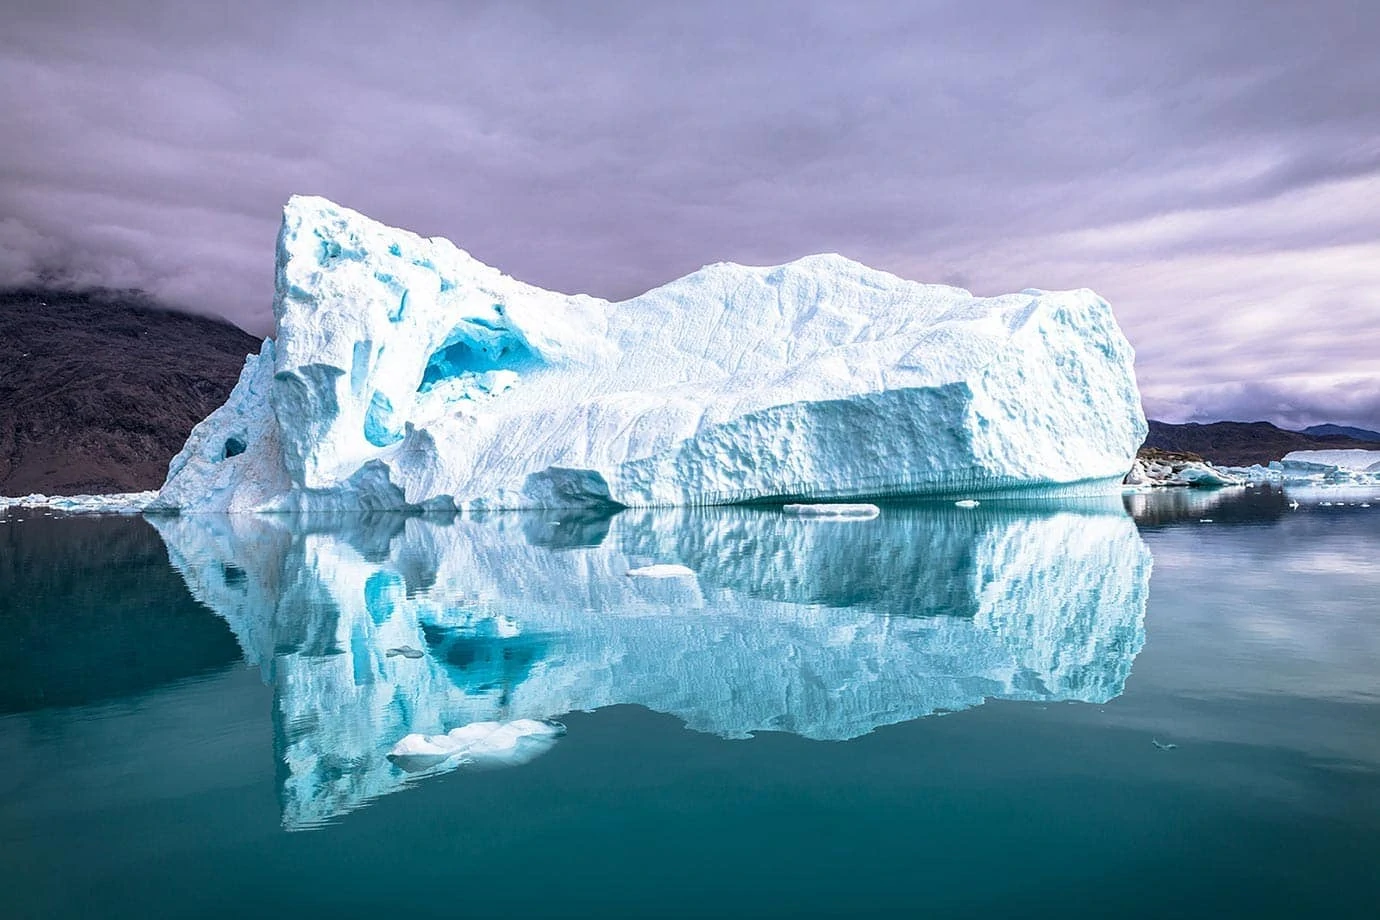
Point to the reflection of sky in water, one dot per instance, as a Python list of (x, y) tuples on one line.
[(372, 629)]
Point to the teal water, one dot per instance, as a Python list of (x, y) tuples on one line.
[(1046, 709)]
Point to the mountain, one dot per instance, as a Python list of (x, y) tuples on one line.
[(1346, 431), (99, 390), (1240, 443)]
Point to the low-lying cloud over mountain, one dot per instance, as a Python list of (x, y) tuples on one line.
[(1212, 169)]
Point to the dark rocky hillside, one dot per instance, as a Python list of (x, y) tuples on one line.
[(1360, 434), (1240, 443), (98, 391)]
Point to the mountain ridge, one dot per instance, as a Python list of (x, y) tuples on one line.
[(1347, 431), (99, 389), (1229, 443)]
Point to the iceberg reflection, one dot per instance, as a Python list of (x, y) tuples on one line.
[(388, 639)]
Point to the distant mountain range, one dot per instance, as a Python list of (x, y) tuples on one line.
[(1345, 431), (98, 391), (1244, 443)]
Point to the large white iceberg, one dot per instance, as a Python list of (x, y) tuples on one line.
[(406, 374)]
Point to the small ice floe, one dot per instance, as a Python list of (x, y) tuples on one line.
[(966, 503), (661, 570), (405, 651), (484, 743), (857, 511), (1163, 746)]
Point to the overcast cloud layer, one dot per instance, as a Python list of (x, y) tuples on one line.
[(1212, 168)]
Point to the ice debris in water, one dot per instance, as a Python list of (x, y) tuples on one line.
[(661, 570), (837, 510), (405, 374), (496, 743), (114, 503)]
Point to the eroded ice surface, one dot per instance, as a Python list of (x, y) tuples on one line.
[(406, 374), (782, 624)]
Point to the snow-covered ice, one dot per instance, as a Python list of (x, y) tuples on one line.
[(405, 374), (661, 570), (499, 744)]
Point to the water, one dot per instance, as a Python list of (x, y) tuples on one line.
[(1047, 710)]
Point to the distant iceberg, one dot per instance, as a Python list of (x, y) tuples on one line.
[(113, 503), (385, 636), (1348, 467), (407, 375), (1352, 461)]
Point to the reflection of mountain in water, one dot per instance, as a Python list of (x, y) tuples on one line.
[(822, 628)]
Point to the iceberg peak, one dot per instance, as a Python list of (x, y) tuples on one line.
[(406, 374)]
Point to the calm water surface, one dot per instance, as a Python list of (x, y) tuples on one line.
[(1163, 706)]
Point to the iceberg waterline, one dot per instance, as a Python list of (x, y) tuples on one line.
[(407, 375)]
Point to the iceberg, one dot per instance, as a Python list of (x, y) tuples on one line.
[(407, 375), (774, 623), (1350, 461)]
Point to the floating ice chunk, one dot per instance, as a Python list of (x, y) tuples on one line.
[(114, 503), (661, 570), (407, 375), (840, 510), (496, 743)]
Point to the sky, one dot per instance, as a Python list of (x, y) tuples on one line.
[(1211, 168)]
